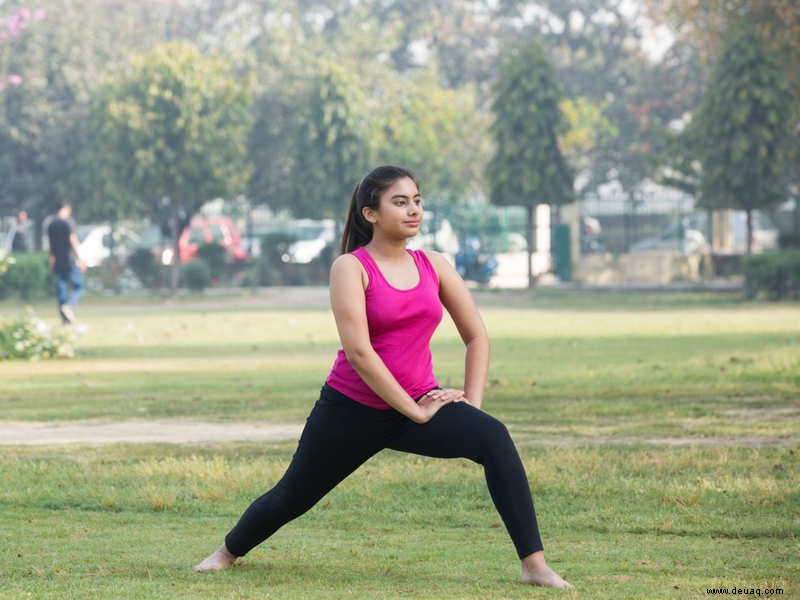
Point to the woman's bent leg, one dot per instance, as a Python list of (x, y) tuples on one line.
[(339, 436), (459, 430)]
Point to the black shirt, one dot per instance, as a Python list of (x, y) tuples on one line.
[(59, 232), (19, 243)]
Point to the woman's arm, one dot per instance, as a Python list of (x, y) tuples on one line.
[(458, 301), (349, 310)]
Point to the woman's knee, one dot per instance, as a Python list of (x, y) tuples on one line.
[(493, 430), (491, 437)]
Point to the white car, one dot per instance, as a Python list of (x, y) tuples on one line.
[(312, 238), (692, 242), (95, 243)]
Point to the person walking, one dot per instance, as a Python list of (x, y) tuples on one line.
[(65, 262), (17, 240), (381, 392)]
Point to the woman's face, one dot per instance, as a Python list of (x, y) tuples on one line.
[(399, 209)]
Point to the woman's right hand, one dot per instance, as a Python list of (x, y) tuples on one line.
[(431, 402)]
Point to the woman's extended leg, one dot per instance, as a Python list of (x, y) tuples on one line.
[(460, 430), (339, 436)]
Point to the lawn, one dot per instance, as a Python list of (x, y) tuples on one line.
[(660, 434)]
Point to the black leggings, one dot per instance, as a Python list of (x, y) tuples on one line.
[(341, 434)]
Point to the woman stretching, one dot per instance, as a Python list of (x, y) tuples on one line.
[(381, 392)]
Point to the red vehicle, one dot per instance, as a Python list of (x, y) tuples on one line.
[(217, 230)]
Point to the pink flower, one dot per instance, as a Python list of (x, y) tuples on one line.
[(14, 80), (14, 25), (39, 14), (24, 14)]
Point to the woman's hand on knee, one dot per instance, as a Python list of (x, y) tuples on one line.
[(431, 402), (446, 394)]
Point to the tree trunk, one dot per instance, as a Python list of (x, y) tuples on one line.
[(531, 235), (710, 228), (112, 225), (38, 233), (749, 213), (176, 255)]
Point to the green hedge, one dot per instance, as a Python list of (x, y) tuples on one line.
[(214, 256), (789, 240), (774, 275), (25, 276), (195, 275)]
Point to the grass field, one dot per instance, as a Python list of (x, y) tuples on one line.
[(660, 434)]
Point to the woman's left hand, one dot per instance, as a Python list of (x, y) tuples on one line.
[(446, 394)]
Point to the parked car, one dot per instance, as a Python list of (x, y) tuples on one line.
[(96, 243), (201, 230), (677, 238), (312, 237)]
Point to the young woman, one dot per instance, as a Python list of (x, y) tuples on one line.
[(381, 392)]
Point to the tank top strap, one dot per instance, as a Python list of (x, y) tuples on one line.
[(373, 274), (426, 269)]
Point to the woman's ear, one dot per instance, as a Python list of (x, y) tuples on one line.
[(369, 214)]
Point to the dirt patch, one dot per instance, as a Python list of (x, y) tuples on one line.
[(781, 441), (36, 433), (26, 433), (763, 414)]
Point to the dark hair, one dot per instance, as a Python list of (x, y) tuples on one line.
[(357, 230)]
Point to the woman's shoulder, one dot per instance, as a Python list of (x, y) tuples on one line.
[(348, 265), (437, 260), (346, 262)]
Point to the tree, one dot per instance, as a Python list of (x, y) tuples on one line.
[(59, 54), (742, 125), (11, 27), (703, 23), (173, 131), (527, 167), (330, 151), (437, 133)]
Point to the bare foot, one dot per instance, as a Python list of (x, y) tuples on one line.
[(536, 572), (220, 559)]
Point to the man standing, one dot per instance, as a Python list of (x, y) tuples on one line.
[(18, 236), (65, 261)]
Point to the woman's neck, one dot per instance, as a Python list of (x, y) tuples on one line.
[(388, 249)]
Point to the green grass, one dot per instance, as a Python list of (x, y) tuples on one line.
[(660, 434)]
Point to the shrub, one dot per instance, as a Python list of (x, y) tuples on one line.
[(270, 269), (789, 240), (30, 338), (262, 272), (196, 275), (25, 275), (112, 275), (147, 269), (775, 275), (214, 256)]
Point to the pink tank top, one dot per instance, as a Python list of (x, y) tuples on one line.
[(401, 324)]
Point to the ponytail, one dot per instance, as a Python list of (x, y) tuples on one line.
[(357, 230), (367, 193)]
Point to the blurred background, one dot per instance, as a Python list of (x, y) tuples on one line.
[(558, 142)]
